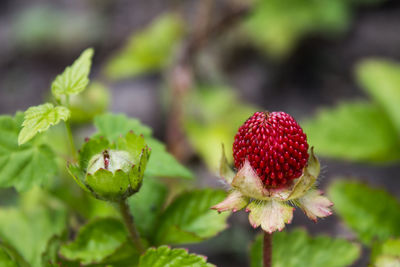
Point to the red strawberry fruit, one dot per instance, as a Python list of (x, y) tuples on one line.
[(275, 146)]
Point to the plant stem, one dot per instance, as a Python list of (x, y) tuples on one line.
[(69, 133), (267, 250), (71, 140), (130, 225)]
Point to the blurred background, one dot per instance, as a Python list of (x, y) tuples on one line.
[(195, 70)]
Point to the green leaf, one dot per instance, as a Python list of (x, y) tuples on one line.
[(161, 163), (297, 248), (75, 78), (113, 126), (5, 259), (386, 253), (277, 26), (381, 80), (148, 50), (95, 241), (39, 119), (354, 131), (26, 165), (29, 227), (178, 257), (371, 213), (146, 205), (189, 219), (213, 116)]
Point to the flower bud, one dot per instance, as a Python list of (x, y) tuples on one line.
[(112, 171)]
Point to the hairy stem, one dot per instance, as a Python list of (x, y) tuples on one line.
[(130, 225), (70, 136), (267, 250), (71, 140)]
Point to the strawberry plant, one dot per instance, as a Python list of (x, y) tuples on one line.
[(82, 186)]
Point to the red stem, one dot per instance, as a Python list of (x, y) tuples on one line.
[(267, 250)]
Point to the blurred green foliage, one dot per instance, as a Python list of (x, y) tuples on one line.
[(380, 78), (353, 131), (28, 227), (93, 101), (297, 248), (373, 214), (149, 50), (386, 253), (363, 131), (276, 26), (45, 25), (23, 166), (212, 117)]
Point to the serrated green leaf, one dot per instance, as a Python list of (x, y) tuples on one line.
[(305, 250), (161, 163), (75, 78), (5, 259), (213, 116), (386, 254), (29, 227), (39, 119), (148, 50), (189, 219), (381, 80), (357, 131), (371, 213), (113, 126), (26, 165), (277, 26), (146, 205), (124, 256), (96, 241), (178, 257)]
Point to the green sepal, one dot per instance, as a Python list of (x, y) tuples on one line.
[(106, 185), (76, 172), (307, 179), (137, 172)]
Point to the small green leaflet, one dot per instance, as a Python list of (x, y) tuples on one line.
[(371, 213), (39, 119), (26, 165), (178, 257), (96, 241), (189, 219), (75, 78), (297, 248)]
